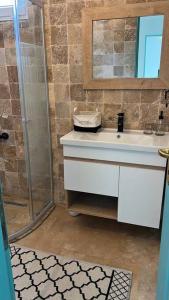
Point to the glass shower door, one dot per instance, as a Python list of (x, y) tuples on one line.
[(34, 102)]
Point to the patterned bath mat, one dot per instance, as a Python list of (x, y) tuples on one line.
[(39, 275)]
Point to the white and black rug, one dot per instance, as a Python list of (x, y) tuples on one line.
[(39, 275)]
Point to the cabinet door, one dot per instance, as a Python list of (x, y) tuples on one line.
[(140, 196), (90, 177)]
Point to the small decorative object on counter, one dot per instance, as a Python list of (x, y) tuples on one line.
[(87, 121), (160, 125), (148, 128)]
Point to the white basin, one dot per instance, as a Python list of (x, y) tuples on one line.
[(109, 138)]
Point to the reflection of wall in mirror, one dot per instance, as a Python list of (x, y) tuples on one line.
[(114, 44), (149, 46)]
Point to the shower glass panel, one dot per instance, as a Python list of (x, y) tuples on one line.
[(33, 199), (32, 68), (13, 175)]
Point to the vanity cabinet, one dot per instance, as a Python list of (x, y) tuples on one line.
[(140, 196), (121, 179), (135, 192)]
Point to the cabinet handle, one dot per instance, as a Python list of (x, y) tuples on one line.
[(164, 152)]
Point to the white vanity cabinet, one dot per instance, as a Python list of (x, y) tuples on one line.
[(140, 196), (116, 181)]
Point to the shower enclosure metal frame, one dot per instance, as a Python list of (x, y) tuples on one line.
[(36, 220)]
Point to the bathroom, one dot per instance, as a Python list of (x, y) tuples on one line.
[(46, 80)]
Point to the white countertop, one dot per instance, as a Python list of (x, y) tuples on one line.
[(108, 138)]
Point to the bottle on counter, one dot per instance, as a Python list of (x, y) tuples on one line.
[(160, 125)]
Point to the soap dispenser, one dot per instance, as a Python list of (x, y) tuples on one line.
[(159, 129)]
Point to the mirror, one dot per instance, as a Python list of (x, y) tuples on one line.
[(127, 47)]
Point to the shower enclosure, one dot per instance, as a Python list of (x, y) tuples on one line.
[(25, 158)]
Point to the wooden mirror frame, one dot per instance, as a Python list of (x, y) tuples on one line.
[(117, 12)]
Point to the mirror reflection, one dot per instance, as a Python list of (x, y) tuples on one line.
[(128, 48)]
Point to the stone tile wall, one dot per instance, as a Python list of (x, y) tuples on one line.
[(12, 158), (12, 162), (63, 35)]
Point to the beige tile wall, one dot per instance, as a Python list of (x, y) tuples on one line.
[(63, 35), (12, 158), (12, 163)]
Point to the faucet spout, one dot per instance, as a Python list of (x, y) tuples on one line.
[(120, 122)]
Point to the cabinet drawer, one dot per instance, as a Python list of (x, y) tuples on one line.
[(90, 177)]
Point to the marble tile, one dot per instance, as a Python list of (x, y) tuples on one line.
[(63, 126), (9, 35), (77, 92), (63, 110), (2, 57), (131, 23), (61, 92), (131, 96), (49, 74), (130, 35), (76, 73), (16, 107), (11, 165), (135, 1), (95, 3), (115, 96), (59, 55), (56, 1), (14, 91), (4, 91), (119, 35), (60, 74), (75, 54), (148, 113), (119, 47), (74, 12), (57, 14), (3, 75), (114, 2), (19, 138), (1, 39), (132, 112), (74, 34), (7, 123), (10, 56), (59, 35), (12, 73), (111, 111), (95, 96), (9, 151), (148, 96)]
